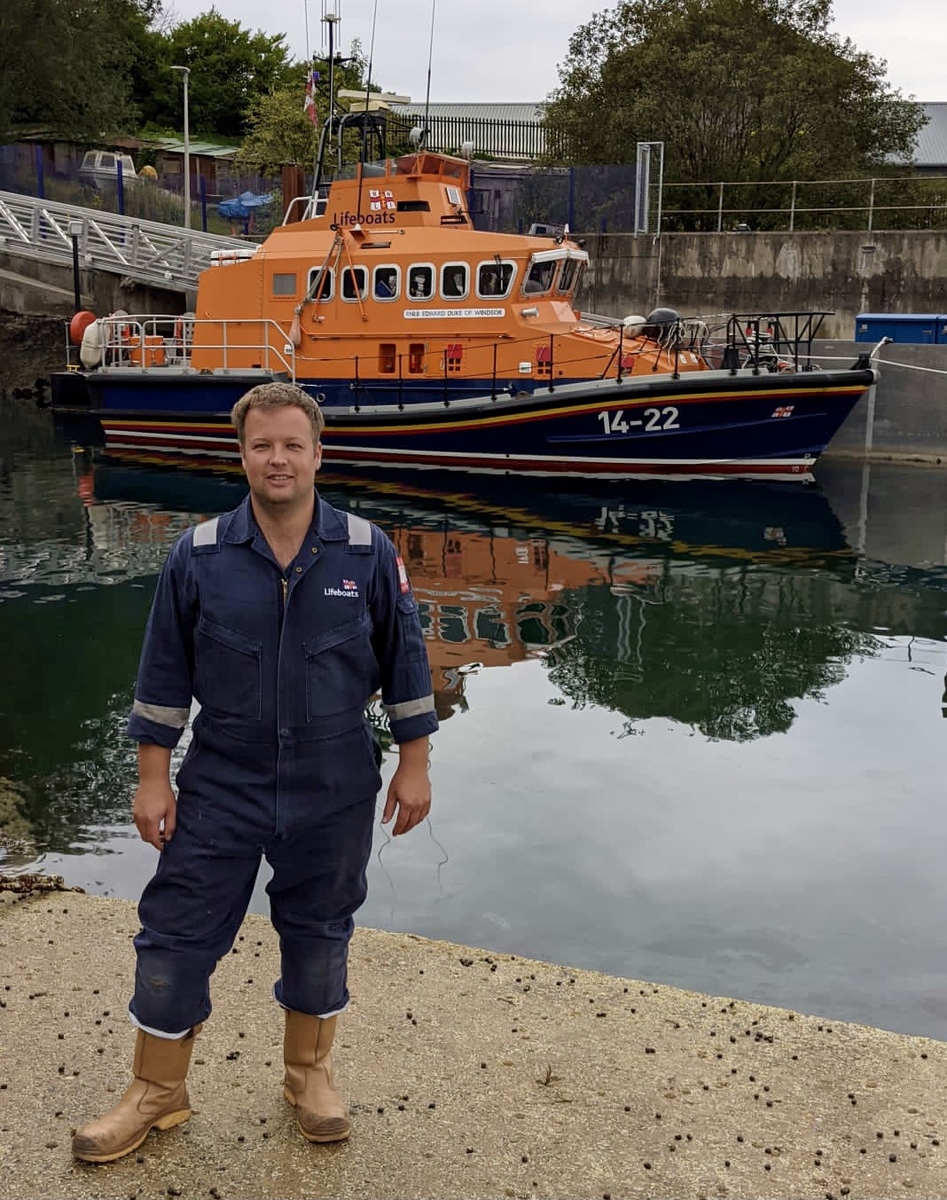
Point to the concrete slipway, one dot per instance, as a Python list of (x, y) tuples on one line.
[(470, 1074)]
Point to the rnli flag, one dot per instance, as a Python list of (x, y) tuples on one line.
[(309, 104)]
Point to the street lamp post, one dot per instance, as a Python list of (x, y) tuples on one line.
[(185, 72)]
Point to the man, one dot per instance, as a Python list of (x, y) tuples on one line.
[(281, 618)]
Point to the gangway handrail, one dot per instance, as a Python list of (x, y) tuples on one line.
[(145, 251)]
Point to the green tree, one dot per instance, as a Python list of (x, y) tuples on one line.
[(70, 66), (231, 69), (751, 90), (727, 651), (280, 131)]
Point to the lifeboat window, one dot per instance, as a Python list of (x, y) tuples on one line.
[(284, 284), (320, 284), (531, 624), (387, 282), (494, 279), (354, 283), (490, 626), (421, 282), (413, 206), (454, 281), (570, 269), (452, 623), (540, 277)]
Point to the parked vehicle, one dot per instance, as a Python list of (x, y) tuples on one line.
[(100, 169)]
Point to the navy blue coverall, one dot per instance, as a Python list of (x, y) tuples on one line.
[(282, 761)]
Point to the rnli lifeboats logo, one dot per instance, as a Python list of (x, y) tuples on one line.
[(382, 207), (349, 589)]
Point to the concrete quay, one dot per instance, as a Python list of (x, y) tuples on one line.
[(469, 1074)]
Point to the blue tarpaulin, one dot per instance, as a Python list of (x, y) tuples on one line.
[(243, 207)]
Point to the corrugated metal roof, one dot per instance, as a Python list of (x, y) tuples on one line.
[(205, 149), (931, 146), (477, 112)]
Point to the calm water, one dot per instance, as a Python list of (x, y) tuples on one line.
[(690, 732)]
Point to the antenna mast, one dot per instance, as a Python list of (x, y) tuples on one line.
[(427, 97)]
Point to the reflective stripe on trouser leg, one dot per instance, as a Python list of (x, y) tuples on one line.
[(318, 883), (190, 913)]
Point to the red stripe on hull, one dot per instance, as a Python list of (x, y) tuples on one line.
[(565, 466)]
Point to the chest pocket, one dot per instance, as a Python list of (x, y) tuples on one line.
[(341, 670), (228, 671)]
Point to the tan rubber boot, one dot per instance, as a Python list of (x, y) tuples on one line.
[(156, 1099), (321, 1113)]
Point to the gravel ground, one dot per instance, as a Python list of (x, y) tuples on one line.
[(469, 1074)]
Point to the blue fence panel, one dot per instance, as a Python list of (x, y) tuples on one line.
[(588, 199)]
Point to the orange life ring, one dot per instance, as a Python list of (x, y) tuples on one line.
[(79, 324)]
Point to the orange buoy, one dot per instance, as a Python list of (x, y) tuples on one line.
[(79, 324)]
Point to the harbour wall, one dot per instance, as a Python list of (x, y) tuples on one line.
[(702, 274), (699, 274), (904, 417), (32, 286)]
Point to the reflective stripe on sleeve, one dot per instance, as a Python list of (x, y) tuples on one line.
[(175, 718), (410, 708), (205, 534), (360, 530)]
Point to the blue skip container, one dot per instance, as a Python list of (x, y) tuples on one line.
[(919, 329)]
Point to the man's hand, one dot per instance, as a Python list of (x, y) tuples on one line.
[(410, 789), (154, 808), (155, 812)]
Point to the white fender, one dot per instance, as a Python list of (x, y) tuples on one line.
[(92, 348)]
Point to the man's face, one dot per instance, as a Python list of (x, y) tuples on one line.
[(279, 457)]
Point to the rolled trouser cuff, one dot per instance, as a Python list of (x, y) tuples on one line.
[(158, 1033)]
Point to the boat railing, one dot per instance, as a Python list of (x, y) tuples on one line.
[(446, 365), (449, 367), (167, 341), (304, 208)]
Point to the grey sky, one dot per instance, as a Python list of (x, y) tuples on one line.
[(508, 50)]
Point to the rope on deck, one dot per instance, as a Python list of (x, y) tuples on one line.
[(884, 362)]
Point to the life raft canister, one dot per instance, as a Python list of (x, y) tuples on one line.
[(92, 347)]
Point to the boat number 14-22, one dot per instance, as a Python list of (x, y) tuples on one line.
[(653, 420)]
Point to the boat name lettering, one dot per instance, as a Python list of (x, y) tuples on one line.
[(414, 314), (654, 420), (369, 218)]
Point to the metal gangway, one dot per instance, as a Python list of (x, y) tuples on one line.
[(147, 252)]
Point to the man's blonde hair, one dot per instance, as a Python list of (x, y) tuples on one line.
[(267, 396)]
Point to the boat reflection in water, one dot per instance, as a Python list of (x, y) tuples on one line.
[(710, 603)]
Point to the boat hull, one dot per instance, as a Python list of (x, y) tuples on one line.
[(702, 423)]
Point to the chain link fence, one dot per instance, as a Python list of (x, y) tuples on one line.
[(601, 199), (56, 173), (506, 198)]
